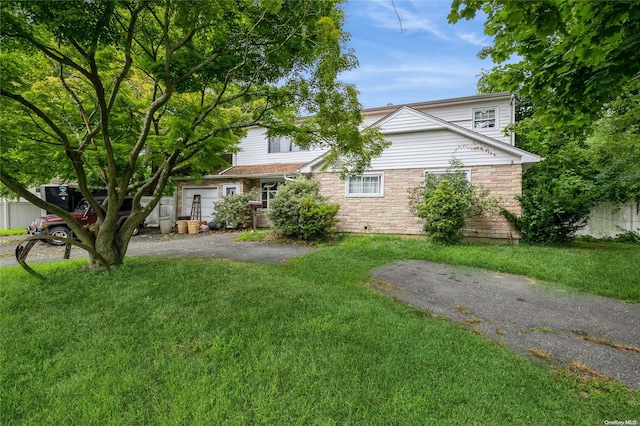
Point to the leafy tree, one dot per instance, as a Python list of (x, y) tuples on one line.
[(574, 56), (232, 211), (445, 202), (555, 199), (613, 149), (574, 67), (125, 94), (299, 211)]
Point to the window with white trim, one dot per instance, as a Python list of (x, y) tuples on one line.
[(231, 189), (283, 144), (268, 190), (484, 118), (367, 185)]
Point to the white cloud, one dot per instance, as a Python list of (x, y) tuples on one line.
[(404, 16), (474, 39), (431, 59)]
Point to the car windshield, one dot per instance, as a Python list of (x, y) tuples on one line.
[(83, 205)]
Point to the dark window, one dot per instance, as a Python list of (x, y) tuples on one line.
[(283, 144)]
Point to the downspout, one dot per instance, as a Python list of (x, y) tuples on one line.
[(512, 104)]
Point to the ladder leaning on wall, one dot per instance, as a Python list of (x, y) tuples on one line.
[(196, 208)]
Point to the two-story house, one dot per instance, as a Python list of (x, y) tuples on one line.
[(424, 138)]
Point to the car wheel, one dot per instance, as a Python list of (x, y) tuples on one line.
[(136, 231), (59, 231)]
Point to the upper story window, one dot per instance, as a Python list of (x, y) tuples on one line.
[(369, 185), (283, 144), (484, 118)]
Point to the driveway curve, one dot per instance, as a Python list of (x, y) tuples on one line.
[(566, 327)]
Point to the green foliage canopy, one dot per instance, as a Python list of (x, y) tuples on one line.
[(571, 56), (613, 149), (125, 94), (575, 67)]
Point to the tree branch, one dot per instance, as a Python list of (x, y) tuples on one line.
[(127, 53)]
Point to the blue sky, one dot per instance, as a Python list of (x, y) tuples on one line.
[(427, 59)]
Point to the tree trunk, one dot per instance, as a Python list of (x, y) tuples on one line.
[(110, 246)]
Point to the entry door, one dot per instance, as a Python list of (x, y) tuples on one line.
[(208, 199)]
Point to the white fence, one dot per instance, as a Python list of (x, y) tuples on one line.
[(20, 214), (17, 214), (164, 208), (609, 220)]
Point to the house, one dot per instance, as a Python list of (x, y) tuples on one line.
[(424, 138)]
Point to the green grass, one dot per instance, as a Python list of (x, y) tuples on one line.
[(608, 269), (9, 232), (307, 342)]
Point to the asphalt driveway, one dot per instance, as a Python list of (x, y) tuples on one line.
[(219, 245), (566, 327)]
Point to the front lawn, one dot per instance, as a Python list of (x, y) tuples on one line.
[(308, 342)]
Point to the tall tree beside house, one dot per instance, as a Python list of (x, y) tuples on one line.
[(574, 56), (577, 64), (613, 149), (125, 94)]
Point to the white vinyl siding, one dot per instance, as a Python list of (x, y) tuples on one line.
[(462, 115), (408, 120), (367, 185), (436, 149), (254, 150)]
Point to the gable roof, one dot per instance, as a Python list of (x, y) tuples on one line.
[(410, 120), (424, 122), (442, 102)]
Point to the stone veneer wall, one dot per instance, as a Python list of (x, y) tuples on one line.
[(391, 214)]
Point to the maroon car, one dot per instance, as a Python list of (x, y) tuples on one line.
[(84, 214)]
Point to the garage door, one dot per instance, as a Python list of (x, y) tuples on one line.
[(208, 196)]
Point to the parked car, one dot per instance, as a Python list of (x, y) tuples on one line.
[(84, 214)]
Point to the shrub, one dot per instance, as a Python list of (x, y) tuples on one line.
[(317, 219), (447, 201), (554, 205), (232, 211), (299, 211)]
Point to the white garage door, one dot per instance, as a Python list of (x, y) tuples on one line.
[(208, 196)]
